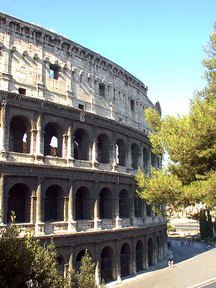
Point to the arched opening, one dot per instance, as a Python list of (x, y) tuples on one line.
[(145, 160), (153, 160), (107, 264), (139, 256), (105, 204), (60, 265), (53, 140), (150, 252), (19, 201), (124, 204), (135, 155), (103, 149), (138, 204), (20, 135), (125, 260), (79, 257), (158, 248), (83, 204), (81, 145), (54, 204), (148, 210), (120, 153)]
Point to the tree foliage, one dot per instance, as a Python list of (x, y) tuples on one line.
[(24, 263), (85, 277), (190, 142)]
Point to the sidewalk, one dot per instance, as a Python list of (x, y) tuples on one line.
[(185, 273)]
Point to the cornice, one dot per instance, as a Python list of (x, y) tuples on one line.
[(42, 36), (70, 113)]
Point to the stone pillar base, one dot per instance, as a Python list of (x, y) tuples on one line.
[(39, 228)]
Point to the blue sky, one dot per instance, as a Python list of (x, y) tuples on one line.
[(159, 42)]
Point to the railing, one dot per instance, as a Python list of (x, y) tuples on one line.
[(108, 224), (84, 225)]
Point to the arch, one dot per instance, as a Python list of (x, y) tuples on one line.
[(83, 204), (53, 140), (60, 264), (148, 210), (125, 260), (124, 204), (81, 144), (105, 204), (139, 255), (150, 252), (54, 203), (135, 155), (120, 152), (153, 160), (107, 264), (79, 257), (138, 206), (19, 134), (19, 201), (103, 149), (145, 160), (158, 248)]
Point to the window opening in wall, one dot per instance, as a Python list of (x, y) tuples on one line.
[(132, 105), (24, 143), (81, 106), (102, 90), (53, 71), (22, 91), (54, 146)]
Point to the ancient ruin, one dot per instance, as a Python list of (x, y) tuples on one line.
[(73, 134)]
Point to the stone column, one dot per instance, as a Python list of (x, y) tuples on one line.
[(97, 272), (66, 203), (133, 257), (64, 146), (118, 262), (70, 144), (39, 229), (129, 158), (97, 221), (33, 141), (141, 162), (33, 208), (40, 138), (71, 204), (2, 214), (4, 146), (117, 218)]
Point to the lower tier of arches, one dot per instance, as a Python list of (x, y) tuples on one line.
[(116, 254)]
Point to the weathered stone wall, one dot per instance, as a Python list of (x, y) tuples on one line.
[(29, 50), (80, 191)]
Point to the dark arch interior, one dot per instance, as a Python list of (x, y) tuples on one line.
[(19, 201), (135, 155), (107, 264), (103, 149), (81, 145), (54, 204), (79, 259), (124, 204), (105, 204), (150, 252), (19, 135), (83, 204), (139, 256), (120, 153), (125, 260), (52, 135)]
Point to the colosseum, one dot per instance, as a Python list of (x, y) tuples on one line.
[(73, 134)]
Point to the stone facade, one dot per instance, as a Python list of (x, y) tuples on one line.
[(73, 134)]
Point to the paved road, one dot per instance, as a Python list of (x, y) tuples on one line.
[(193, 265)]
